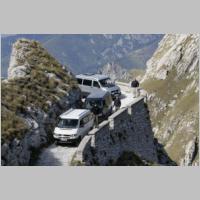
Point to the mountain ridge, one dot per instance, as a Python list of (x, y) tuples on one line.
[(86, 52)]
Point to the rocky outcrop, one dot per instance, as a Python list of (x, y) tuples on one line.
[(175, 50), (171, 81), (37, 91), (114, 71)]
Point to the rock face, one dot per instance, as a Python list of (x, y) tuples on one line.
[(171, 81), (114, 71), (175, 50), (37, 91)]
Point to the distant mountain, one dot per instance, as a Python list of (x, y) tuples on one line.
[(88, 52), (114, 71)]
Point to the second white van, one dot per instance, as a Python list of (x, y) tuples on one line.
[(73, 125)]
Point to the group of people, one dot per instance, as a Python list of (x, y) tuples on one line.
[(96, 110)]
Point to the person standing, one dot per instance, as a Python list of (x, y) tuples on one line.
[(135, 88), (117, 103), (96, 111)]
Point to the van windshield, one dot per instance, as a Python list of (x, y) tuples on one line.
[(68, 123), (106, 82), (92, 102)]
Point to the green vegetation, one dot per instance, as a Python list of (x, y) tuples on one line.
[(36, 89), (165, 89), (11, 125)]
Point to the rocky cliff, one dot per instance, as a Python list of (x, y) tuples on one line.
[(114, 71), (37, 90), (171, 80)]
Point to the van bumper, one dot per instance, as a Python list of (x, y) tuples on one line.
[(65, 139)]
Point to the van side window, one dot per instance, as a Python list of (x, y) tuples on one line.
[(79, 81), (86, 119), (96, 84), (81, 123), (87, 82)]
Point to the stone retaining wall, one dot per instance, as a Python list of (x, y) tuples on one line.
[(128, 129)]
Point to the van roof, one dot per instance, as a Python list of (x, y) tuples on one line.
[(74, 113), (92, 76), (97, 94)]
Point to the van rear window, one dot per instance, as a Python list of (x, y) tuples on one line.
[(87, 82)]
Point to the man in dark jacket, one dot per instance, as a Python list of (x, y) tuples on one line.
[(117, 103), (96, 111), (135, 88)]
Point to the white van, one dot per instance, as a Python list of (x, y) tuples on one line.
[(73, 125), (90, 83)]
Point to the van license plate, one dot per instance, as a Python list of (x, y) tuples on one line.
[(63, 139)]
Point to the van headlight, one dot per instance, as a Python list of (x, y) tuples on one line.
[(73, 135)]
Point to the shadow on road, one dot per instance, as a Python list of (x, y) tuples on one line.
[(48, 159)]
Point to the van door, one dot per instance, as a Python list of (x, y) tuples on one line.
[(96, 86), (84, 125)]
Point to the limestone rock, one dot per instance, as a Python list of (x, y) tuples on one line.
[(114, 71), (189, 153), (172, 84)]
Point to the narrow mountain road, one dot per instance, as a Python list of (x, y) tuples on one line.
[(61, 155), (56, 155)]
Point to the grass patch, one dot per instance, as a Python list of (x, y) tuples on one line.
[(165, 89), (36, 89), (11, 125)]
